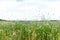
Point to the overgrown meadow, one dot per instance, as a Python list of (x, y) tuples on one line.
[(30, 30)]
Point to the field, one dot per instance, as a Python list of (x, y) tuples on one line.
[(30, 30)]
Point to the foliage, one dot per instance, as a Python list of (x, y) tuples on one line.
[(30, 31)]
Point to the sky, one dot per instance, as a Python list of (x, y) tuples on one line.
[(30, 9)]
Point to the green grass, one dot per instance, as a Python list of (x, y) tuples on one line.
[(29, 31)]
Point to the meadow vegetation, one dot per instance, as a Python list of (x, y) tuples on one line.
[(30, 30)]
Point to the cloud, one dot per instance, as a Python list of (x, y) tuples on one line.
[(54, 10), (4, 5), (53, 0), (21, 10), (29, 10), (7, 0)]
